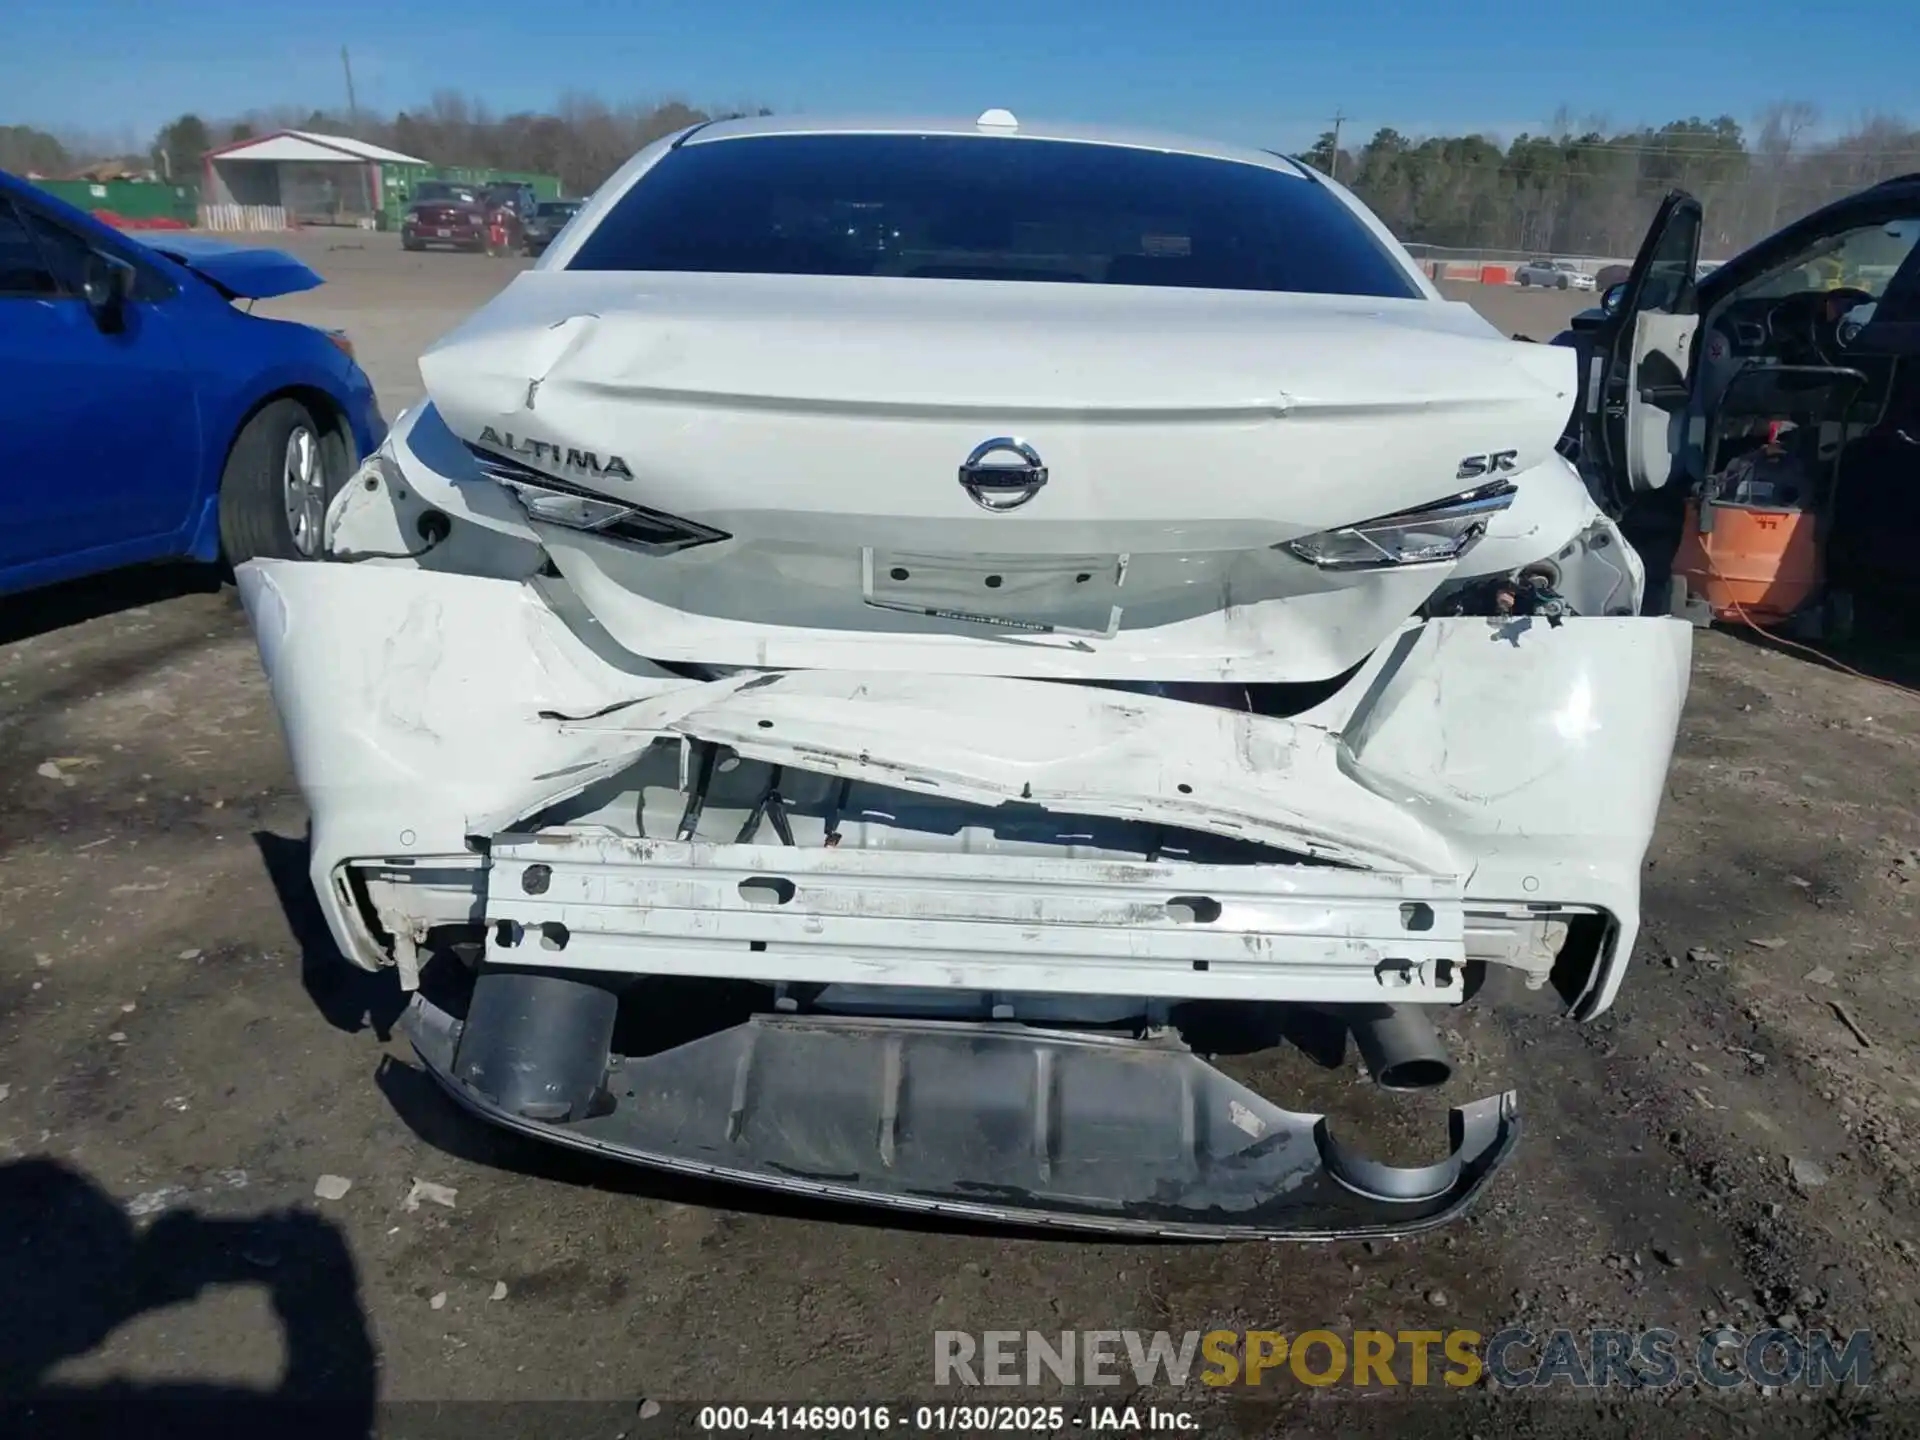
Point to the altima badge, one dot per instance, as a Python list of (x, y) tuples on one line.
[(1000, 485), (564, 457)]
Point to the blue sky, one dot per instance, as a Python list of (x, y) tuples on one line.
[(1269, 73)]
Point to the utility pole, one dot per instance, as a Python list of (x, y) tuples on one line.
[(1333, 162), (353, 109)]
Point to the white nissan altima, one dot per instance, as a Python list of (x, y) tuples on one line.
[(930, 613)]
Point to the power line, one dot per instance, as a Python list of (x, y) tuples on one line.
[(1838, 149), (1549, 179), (1609, 147)]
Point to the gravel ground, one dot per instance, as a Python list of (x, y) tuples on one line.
[(183, 1059)]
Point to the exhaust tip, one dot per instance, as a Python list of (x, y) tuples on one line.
[(1401, 1049), (1418, 1073)]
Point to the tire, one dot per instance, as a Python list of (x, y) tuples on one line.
[(1522, 281), (277, 485), (1564, 282), (413, 245)]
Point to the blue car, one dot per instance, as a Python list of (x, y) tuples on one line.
[(144, 415)]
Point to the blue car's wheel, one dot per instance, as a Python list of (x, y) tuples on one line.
[(281, 475)]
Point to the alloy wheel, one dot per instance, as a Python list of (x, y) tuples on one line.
[(304, 490)]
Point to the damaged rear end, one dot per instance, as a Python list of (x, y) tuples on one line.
[(969, 915), (851, 728)]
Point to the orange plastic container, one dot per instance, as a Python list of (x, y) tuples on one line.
[(1757, 564)]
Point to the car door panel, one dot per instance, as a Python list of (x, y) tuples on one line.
[(1641, 364), (1657, 399), (103, 432), (1874, 529)]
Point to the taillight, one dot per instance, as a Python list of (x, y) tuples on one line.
[(1444, 530), (572, 507)]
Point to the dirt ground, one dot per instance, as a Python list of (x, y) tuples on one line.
[(183, 1057)]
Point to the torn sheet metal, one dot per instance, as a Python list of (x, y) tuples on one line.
[(1000, 1123), (1071, 749), (1521, 760)]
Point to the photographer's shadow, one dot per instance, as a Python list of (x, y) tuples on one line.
[(74, 1267)]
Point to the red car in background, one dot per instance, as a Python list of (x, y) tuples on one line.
[(462, 217)]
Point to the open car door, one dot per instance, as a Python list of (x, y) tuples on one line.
[(1639, 373)]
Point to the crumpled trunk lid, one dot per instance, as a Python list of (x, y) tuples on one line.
[(820, 425), (794, 407)]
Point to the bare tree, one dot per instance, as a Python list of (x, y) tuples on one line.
[(583, 140), (1588, 188), (26, 150), (1583, 186)]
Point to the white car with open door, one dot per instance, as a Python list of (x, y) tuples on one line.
[(988, 595), (1806, 346)]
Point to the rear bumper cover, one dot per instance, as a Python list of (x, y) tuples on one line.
[(1000, 1123), (1470, 769), (1471, 766)]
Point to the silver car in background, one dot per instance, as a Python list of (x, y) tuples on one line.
[(1554, 274)]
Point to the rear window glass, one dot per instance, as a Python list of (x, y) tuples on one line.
[(988, 208)]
